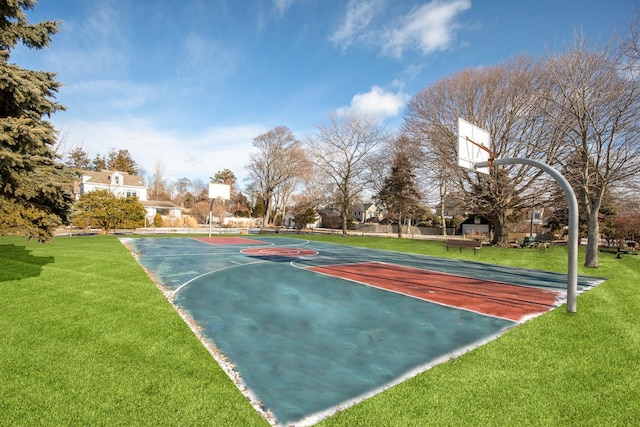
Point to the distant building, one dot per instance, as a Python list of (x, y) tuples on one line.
[(363, 212), (475, 226), (164, 208), (453, 206), (119, 183), (122, 184)]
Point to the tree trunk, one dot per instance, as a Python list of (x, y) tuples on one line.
[(345, 213), (593, 241), (266, 217), (591, 207), (500, 232), (443, 194)]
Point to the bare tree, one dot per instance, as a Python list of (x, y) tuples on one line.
[(158, 187), (596, 107), (428, 124), (315, 189), (275, 166), (62, 141), (282, 197), (181, 188), (504, 100), (311, 194), (199, 190), (630, 45), (341, 149)]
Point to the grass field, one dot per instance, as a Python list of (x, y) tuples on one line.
[(87, 339)]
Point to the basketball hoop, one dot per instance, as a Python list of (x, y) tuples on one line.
[(474, 147)]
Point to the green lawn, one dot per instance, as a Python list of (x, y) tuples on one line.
[(87, 339)]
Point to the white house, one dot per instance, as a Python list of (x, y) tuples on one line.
[(165, 209), (122, 184), (119, 183)]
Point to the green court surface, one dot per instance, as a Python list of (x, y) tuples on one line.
[(307, 328)]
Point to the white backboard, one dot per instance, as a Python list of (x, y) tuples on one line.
[(219, 191), (474, 146)]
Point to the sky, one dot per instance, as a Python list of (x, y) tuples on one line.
[(189, 84)]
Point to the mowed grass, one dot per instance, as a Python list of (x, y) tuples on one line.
[(87, 339)]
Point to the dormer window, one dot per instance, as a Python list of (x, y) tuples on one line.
[(116, 179)]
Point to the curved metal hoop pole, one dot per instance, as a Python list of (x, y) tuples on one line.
[(572, 270)]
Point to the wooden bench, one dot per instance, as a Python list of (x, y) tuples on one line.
[(459, 243)]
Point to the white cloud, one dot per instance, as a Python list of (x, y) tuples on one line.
[(377, 103), (282, 5), (357, 19), (192, 156), (429, 28), (97, 45)]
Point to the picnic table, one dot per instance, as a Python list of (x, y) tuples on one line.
[(620, 250), (530, 242)]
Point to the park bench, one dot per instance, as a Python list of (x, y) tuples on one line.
[(459, 243)]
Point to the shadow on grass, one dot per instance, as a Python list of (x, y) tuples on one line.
[(17, 262)]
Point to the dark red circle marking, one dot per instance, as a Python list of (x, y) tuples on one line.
[(275, 251)]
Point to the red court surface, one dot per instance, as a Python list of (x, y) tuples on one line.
[(512, 302), (229, 241)]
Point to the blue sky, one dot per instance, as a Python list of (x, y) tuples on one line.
[(190, 83)]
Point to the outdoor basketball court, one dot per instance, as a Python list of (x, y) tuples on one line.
[(307, 328)]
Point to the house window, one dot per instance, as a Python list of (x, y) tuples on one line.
[(116, 180), (132, 193)]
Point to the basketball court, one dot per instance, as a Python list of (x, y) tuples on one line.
[(307, 328)]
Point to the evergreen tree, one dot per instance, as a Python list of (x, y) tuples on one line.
[(399, 194), (258, 208), (157, 220), (35, 187), (78, 158), (116, 160), (225, 176), (303, 216), (121, 161), (99, 163)]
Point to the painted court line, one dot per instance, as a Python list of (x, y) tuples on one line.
[(188, 282), (497, 299), (338, 343), (229, 241), (278, 251)]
